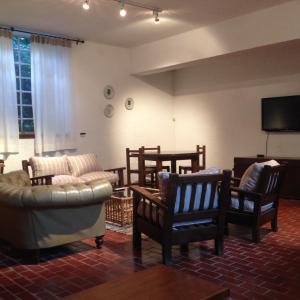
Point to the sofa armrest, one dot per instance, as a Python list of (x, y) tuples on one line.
[(120, 172), (41, 180), (50, 196)]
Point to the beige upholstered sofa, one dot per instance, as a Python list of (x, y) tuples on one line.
[(42, 216), (73, 169)]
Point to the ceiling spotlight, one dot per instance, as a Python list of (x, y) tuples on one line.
[(156, 18), (123, 11), (86, 5)]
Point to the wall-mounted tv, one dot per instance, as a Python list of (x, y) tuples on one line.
[(280, 113)]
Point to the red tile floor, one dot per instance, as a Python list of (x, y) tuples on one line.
[(269, 270)]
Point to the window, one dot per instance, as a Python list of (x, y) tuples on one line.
[(21, 45)]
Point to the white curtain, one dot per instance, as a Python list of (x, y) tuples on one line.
[(9, 129), (51, 95)]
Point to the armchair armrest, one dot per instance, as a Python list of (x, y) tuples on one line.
[(146, 194), (254, 196), (42, 180), (120, 172)]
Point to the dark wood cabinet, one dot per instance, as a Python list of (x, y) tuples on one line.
[(291, 184)]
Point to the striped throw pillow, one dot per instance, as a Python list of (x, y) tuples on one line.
[(82, 164), (49, 166)]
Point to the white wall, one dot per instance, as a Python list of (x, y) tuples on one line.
[(264, 27), (218, 103), (149, 123)]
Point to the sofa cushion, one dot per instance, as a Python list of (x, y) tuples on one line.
[(82, 164), (251, 176), (66, 179), (42, 166), (109, 176)]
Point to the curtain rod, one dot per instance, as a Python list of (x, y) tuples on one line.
[(77, 41)]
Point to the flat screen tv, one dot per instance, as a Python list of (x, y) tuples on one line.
[(281, 113)]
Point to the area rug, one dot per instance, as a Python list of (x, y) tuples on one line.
[(126, 229)]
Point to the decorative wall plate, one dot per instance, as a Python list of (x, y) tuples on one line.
[(129, 103), (108, 111), (109, 92)]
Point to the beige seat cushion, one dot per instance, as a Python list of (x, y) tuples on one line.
[(42, 166), (109, 176), (66, 179), (82, 164)]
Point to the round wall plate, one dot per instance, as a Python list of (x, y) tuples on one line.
[(108, 111), (129, 103), (109, 92)]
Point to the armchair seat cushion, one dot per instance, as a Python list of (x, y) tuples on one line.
[(248, 205), (109, 176), (179, 225)]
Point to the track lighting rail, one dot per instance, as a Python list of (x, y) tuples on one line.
[(140, 5)]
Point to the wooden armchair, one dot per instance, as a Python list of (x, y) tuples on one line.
[(202, 161), (255, 208), (193, 209)]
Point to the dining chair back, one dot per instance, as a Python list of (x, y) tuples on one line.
[(201, 150)]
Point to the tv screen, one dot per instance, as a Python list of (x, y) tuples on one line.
[(281, 113)]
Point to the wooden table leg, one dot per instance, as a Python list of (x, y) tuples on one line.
[(173, 166), (195, 164), (159, 169)]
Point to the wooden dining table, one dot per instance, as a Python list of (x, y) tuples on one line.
[(173, 157)]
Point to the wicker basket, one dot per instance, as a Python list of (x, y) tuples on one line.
[(118, 209)]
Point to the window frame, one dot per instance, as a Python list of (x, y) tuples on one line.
[(20, 91)]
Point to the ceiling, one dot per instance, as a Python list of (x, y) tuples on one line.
[(103, 24)]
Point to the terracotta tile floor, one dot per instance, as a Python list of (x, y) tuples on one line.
[(269, 270)]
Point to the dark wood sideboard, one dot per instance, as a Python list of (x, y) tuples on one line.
[(291, 184)]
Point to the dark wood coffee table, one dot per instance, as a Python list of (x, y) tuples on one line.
[(157, 283)]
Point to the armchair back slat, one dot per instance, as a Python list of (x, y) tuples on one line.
[(193, 195), (203, 193)]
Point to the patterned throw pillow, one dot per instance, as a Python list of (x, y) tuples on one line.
[(42, 166), (82, 164), (250, 177)]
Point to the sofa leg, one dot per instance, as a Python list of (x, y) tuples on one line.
[(99, 241)]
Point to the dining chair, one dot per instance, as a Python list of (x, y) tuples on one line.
[(201, 150), (189, 208), (152, 169), (256, 207), (136, 165)]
